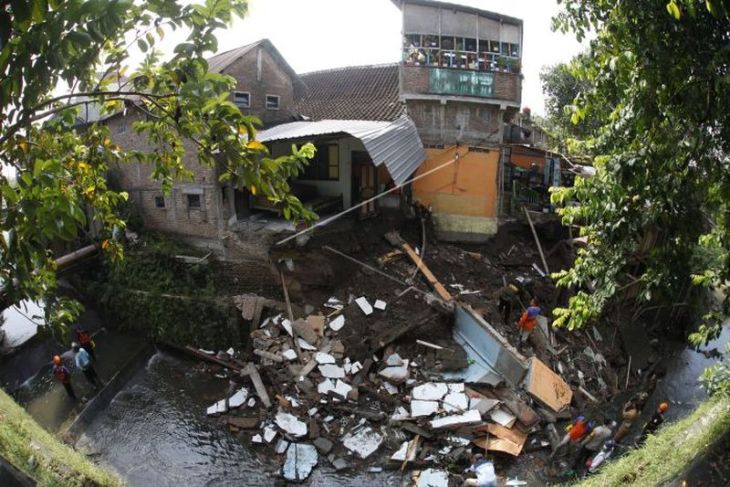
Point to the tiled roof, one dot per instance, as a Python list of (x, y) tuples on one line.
[(352, 93)]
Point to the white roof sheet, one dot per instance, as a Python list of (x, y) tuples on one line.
[(395, 144)]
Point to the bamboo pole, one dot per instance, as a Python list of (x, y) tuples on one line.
[(537, 241)]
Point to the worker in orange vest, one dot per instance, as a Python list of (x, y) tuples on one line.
[(62, 375), (576, 431), (528, 320)]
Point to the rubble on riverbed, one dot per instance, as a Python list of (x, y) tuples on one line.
[(393, 375)]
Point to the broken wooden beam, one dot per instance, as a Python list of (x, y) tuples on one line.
[(537, 241), (202, 355), (395, 239), (252, 372)]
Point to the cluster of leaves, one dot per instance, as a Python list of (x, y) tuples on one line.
[(53, 186), (657, 214)]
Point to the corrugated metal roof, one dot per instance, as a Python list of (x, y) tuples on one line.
[(395, 144)]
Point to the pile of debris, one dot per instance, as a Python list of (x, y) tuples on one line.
[(400, 377)]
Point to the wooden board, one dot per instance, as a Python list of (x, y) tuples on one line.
[(506, 440), (437, 286), (548, 387)]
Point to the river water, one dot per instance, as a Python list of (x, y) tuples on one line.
[(156, 433)]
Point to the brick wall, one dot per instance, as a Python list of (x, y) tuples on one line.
[(176, 216), (466, 123), (270, 80)]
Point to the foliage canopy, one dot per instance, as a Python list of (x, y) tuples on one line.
[(657, 214), (53, 186)]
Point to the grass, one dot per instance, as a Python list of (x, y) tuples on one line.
[(667, 455), (55, 463)]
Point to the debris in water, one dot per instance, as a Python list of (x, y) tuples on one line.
[(300, 460)]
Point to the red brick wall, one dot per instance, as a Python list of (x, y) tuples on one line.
[(272, 81)]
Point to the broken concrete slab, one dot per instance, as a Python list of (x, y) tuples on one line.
[(430, 391), (325, 387), (393, 360), (334, 303), (337, 323), (363, 442), (432, 477), (455, 402), (332, 371), (390, 388), (340, 464), (406, 448), (269, 434), (547, 387), (291, 424), (300, 461), (396, 375), (324, 358), (420, 408), (286, 324), (217, 408), (364, 306), (502, 417), (456, 420), (238, 399), (380, 305), (304, 345), (281, 446), (289, 354), (342, 389)]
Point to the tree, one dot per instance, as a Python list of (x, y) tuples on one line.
[(563, 90), (80, 48), (657, 214)]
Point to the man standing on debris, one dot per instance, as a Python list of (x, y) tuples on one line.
[(508, 298), (62, 375), (528, 320), (654, 423), (629, 414), (83, 362), (593, 443), (484, 470), (576, 431)]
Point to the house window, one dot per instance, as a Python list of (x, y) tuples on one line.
[(194, 201), (242, 99), (325, 165), (272, 102), (159, 202)]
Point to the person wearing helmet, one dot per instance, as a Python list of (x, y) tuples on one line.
[(575, 432), (593, 442), (602, 456), (629, 415), (86, 342), (62, 375), (528, 320), (654, 423), (507, 297), (83, 362)]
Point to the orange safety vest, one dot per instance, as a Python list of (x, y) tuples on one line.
[(526, 322)]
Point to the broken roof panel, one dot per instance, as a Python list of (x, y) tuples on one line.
[(395, 144)]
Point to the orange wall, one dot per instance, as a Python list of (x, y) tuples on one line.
[(526, 160), (467, 187)]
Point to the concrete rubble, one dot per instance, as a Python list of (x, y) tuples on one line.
[(363, 387)]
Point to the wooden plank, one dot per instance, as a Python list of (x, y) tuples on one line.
[(507, 440), (548, 387), (537, 241), (258, 384), (437, 286), (290, 314)]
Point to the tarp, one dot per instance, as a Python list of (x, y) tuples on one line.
[(395, 144)]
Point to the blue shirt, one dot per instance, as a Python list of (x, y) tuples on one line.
[(83, 360)]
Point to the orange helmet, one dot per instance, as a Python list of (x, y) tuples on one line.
[(57, 360), (663, 407)]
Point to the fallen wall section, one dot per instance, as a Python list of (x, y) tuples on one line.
[(488, 348)]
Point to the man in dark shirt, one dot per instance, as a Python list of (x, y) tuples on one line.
[(654, 423)]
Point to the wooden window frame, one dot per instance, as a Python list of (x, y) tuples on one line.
[(248, 103), (278, 102)]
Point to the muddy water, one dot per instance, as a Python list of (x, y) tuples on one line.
[(155, 432)]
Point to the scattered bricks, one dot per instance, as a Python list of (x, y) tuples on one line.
[(323, 445)]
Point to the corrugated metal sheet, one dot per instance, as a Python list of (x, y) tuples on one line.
[(395, 144)]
